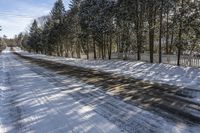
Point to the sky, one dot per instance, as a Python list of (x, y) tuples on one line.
[(17, 15)]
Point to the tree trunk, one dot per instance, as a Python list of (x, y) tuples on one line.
[(110, 48), (118, 44), (87, 48), (94, 49), (180, 37), (105, 45), (99, 51), (78, 49), (57, 50), (151, 30), (172, 41), (160, 34), (179, 57), (61, 49), (138, 30), (102, 47), (167, 32)]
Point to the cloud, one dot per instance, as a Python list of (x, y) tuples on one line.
[(17, 15)]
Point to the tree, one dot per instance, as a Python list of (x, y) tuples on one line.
[(123, 26), (75, 29), (18, 39), (124, 17), (24, 42), (152, 9), (57, 19), (96, 20), (34, 40), (161, 30)]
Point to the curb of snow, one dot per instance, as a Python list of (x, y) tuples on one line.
[(187, 78)]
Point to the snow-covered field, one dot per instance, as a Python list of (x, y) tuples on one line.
[(184, 77)]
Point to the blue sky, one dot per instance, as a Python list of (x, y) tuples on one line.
[(16, 15)]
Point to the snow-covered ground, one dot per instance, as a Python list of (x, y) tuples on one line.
[(3, 87), (31, 103), (184, 77)]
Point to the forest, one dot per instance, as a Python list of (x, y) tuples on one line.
[(99, 29)]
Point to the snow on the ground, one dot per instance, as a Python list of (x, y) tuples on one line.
[(46, 107), (8, 50), (4, 128), (32, 104), (185, 77), (2, 87)]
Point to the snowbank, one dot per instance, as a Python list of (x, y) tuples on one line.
[(7, 50), (185, 77)]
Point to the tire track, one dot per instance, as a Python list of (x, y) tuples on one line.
[(108, 106)]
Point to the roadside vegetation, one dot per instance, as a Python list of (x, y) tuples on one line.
[(102, 28)]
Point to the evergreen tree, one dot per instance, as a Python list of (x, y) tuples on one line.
[(34, 39), (75, 29), (57, 19), (125, 26)]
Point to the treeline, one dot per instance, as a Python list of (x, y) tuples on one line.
[(4, 41), (102, 27), (1, 42)]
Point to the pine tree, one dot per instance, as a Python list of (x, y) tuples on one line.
[(75, 29), (128, 26), (57, 17), (96, 19), (58, 12), (33, 37)]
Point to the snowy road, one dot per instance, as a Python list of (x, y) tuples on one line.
[(29, 103), (38, 99)]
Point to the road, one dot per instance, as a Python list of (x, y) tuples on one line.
[(41, 96)]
